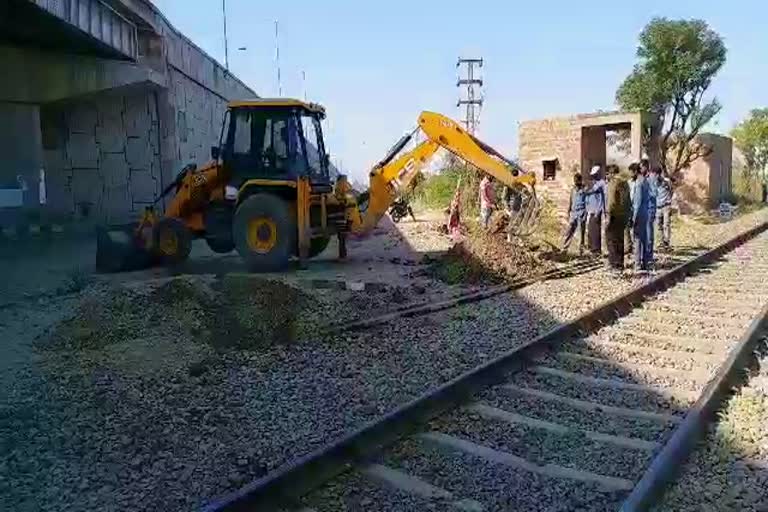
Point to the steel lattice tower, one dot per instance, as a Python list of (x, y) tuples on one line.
[(473, 100)]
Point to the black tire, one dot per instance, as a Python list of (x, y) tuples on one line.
[(318, 245), (173, 241), (220, 245), (264, 232), (218, 227)]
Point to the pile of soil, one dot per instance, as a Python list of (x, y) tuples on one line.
[(256, 311), (488, 258), (103, 318), (236, 312)]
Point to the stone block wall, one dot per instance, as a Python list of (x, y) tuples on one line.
[(547, 139), (575, 141), (551, 139), (110, 154), (198, 115), (102, 156)]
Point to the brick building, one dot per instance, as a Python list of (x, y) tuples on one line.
[(708, 181), (553, 147)]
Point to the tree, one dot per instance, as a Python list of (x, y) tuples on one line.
[(751, 137), (677, 61)]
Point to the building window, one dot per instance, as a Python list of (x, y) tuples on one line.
[(550, 168)]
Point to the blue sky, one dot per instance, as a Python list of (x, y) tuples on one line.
[(376, 65)]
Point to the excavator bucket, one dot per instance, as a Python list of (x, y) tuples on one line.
[(119, 249), (524, 222)]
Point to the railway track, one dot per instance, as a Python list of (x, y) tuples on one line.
[(594, 415)]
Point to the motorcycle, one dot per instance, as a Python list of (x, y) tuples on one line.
[(399, 209)]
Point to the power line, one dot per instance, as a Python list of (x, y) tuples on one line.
[(473, 101)]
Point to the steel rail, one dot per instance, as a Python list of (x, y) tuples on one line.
[(422, 308), (668, 461), (291, 481)]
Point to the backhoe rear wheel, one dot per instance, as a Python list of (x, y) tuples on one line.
[(173, 241), (264, 232)]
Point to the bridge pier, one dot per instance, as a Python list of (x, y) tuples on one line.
[(106, 134)]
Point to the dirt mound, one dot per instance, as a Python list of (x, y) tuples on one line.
[(238, 312), (183, 306), (488, 258), (104, 317), (256, 312)]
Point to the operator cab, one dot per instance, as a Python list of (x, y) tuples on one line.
[(276, 139)]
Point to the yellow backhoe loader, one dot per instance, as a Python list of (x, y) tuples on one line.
[(268, 193)]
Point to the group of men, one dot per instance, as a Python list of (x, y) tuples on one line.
[(631, 209)]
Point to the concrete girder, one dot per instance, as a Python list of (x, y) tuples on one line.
[(42, 77)]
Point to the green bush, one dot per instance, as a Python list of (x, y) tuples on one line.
[(747, 187), (436, 191)]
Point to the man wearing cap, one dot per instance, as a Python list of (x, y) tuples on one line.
[(595, 211)]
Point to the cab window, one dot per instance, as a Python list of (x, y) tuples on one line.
[(265, 143), (310, 127)]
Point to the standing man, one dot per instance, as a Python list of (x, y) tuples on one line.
[(619, 212), (634, 172), (652, 177), (664, 194), (641, 198), (577, 214), (595, 211), (512, 199), (487, 200), (454, 213)]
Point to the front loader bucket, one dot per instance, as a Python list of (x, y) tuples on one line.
[(118, 250)]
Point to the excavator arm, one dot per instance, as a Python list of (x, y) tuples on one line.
[(451, 136), (394, 173)]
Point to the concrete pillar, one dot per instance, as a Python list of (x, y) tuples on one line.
[(636, 141), (22, 155)]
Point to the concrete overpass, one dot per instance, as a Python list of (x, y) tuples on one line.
[(103, 101)]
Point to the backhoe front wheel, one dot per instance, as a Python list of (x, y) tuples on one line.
[(264, 232), (173, 241)]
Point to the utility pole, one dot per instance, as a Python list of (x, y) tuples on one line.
[(473, 101), (277, 61), (226, 43)]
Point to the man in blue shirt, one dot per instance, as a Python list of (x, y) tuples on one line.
[(664, 194), (577, 214), (652, 177), (595, 205), (641, 198)]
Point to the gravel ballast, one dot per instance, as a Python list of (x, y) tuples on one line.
[(729, 468), (165, 420), (501, 436)]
